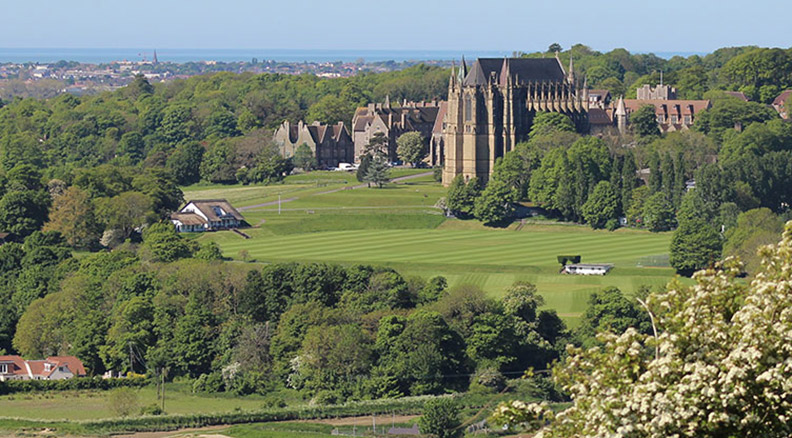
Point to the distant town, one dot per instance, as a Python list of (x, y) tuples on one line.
[(43, 80)]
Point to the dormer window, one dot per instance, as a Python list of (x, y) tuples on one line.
[(47, 367), (3, 368)]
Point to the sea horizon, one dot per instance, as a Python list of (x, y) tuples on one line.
[(181, 56)]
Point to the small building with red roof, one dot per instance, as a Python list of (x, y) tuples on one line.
[(51, 368), (779, 103)]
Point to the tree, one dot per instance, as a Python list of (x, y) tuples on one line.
[(411, 148), (185, 163), (23, 212), (696, 244), (222, 123), (123, 401), (663, 385), (608, 310), (332, 109), (629, 181), (496, 203), (549, 123), (72, 215), (334, 357), (124, 212), (377, 145), (132, 146), (644, 122), (440, 418), (658, 213), (165, 244), (600, 208), (304, 158), (461, 196), (378, 171), (754, 229), (554, 48), (362, 170), (217, 165)]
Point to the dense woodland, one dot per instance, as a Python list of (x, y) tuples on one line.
[(88, 172)]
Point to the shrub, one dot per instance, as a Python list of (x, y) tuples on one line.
[(123, 401), (152, 409), (77, 383)]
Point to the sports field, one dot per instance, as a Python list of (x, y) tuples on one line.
[(399, 227)]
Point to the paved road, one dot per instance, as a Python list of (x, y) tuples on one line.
[(359, 186)]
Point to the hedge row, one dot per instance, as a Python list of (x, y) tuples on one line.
[(408, 405), (15, 386)]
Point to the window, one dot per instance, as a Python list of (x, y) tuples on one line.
[(674, 118), (3, 368), (687, 120), (48, 367), (660, 118), (468, 109)]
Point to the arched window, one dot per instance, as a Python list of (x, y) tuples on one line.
[(468, 109)]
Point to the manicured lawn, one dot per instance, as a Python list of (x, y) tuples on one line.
[(490, 259), (300, 185), (399, 226)]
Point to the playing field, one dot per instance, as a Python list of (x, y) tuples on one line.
[(490, 259), (399, 226)]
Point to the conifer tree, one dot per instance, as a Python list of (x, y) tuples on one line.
[(378, 171), (628, 180)]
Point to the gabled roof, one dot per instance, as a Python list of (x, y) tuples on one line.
[(207, 207), (599, 116), (32, 368), (188, 218), (74, 364), (523, 70), (17, 367), (782, 98), (738, 94)]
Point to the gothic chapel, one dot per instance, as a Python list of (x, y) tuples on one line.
[(491, 108)]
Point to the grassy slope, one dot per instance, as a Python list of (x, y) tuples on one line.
[(397, 226), (293, 186)]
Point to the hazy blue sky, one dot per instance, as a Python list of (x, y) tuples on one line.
[(638, 25)]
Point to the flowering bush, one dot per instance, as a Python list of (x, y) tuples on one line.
[(720, 365)]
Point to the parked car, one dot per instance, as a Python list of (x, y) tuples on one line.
[(346, 167)]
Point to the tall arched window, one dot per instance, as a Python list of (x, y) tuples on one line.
[(468, 109)]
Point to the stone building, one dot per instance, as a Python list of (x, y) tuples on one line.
[(491, 108), (672, 114), (331, 144), (393, 121), (660, 92), (436, 155)]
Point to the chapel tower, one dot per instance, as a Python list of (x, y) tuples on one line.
[(491, 108)]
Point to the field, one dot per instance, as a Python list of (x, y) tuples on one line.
[(92, 404), (398, 226), (293, 185)]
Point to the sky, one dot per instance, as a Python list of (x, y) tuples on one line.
[(506, 25)]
